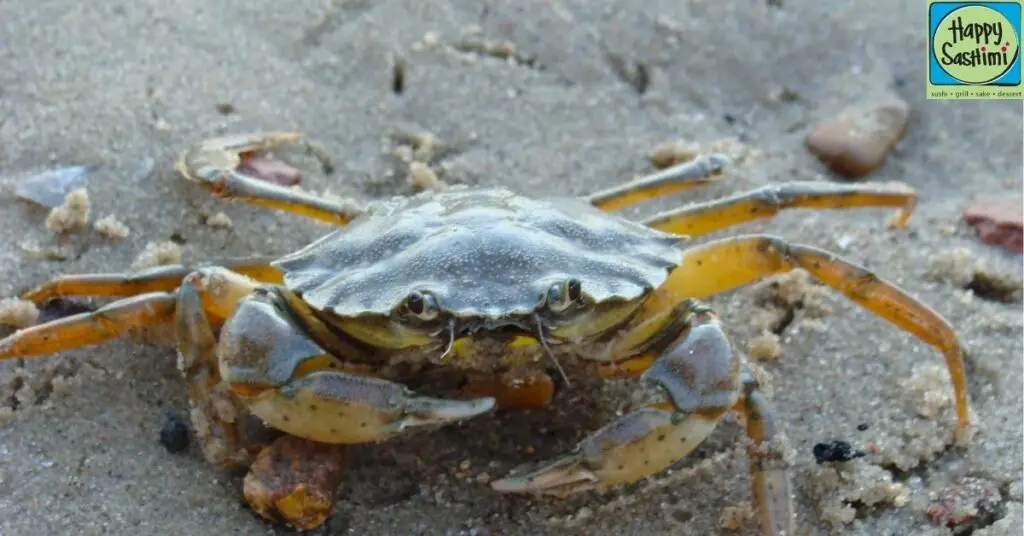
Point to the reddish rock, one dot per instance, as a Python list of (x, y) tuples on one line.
[(295, 480), (998, 223), (859, 140), (966, 505), (270, 169)]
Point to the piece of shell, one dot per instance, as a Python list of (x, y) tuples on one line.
[(51, 187)]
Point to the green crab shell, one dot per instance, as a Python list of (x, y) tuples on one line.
[(483, 253)]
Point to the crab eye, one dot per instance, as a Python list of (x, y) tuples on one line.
[(562, 295), (422, 306)]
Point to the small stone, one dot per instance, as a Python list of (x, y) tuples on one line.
[(858, 141), (967, 505), (296, 481), (998, 224), (835, 451), (174, 434)]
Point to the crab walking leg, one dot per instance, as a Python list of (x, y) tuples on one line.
[(697, 380), (769, 480), (214, 164), (725, 264), (703, 218), (86, 329), (164, 278), (697, 172), (290, 382), (216, 413), (290, 479)]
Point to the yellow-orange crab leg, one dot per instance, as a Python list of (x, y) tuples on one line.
[(292, 383), (703, 218), (702, 170), (695, 380), (86, 329), (769, 480), (728, 263), (120, 318), (164, 278), (214, 163), (217, 414)]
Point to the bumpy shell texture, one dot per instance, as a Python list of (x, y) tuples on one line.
[(486, 253)]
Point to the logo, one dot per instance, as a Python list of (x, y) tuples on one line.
[(974, 50)]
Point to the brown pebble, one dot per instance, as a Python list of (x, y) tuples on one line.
[(998, 224), (295, 480), (966, 505), (858, 141)]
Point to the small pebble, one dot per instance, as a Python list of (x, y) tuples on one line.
[(998, 224), (858, 141), (966, 505), (863, 426), (174, 434), (835, 451)]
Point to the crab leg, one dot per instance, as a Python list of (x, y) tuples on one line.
[(728, 263), (697, 172), (122, 317), (290, 382), (216, 413), (697, 380), (701, 379), (703, 218), (164, 278), (214, 163), (104, 324), (769, 481)]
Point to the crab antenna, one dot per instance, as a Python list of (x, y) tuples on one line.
[(544, 343), (451, 338)]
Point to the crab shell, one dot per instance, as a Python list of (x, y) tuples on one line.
[(485, 255)]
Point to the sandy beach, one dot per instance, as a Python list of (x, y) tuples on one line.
[(563, 97)]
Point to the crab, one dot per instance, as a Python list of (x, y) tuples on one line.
[(502, 288)]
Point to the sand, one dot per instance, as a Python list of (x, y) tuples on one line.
[(586, 92)]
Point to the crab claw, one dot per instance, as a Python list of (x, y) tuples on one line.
[(698, 375), (420, 410), (210, 159), (637, 445)]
